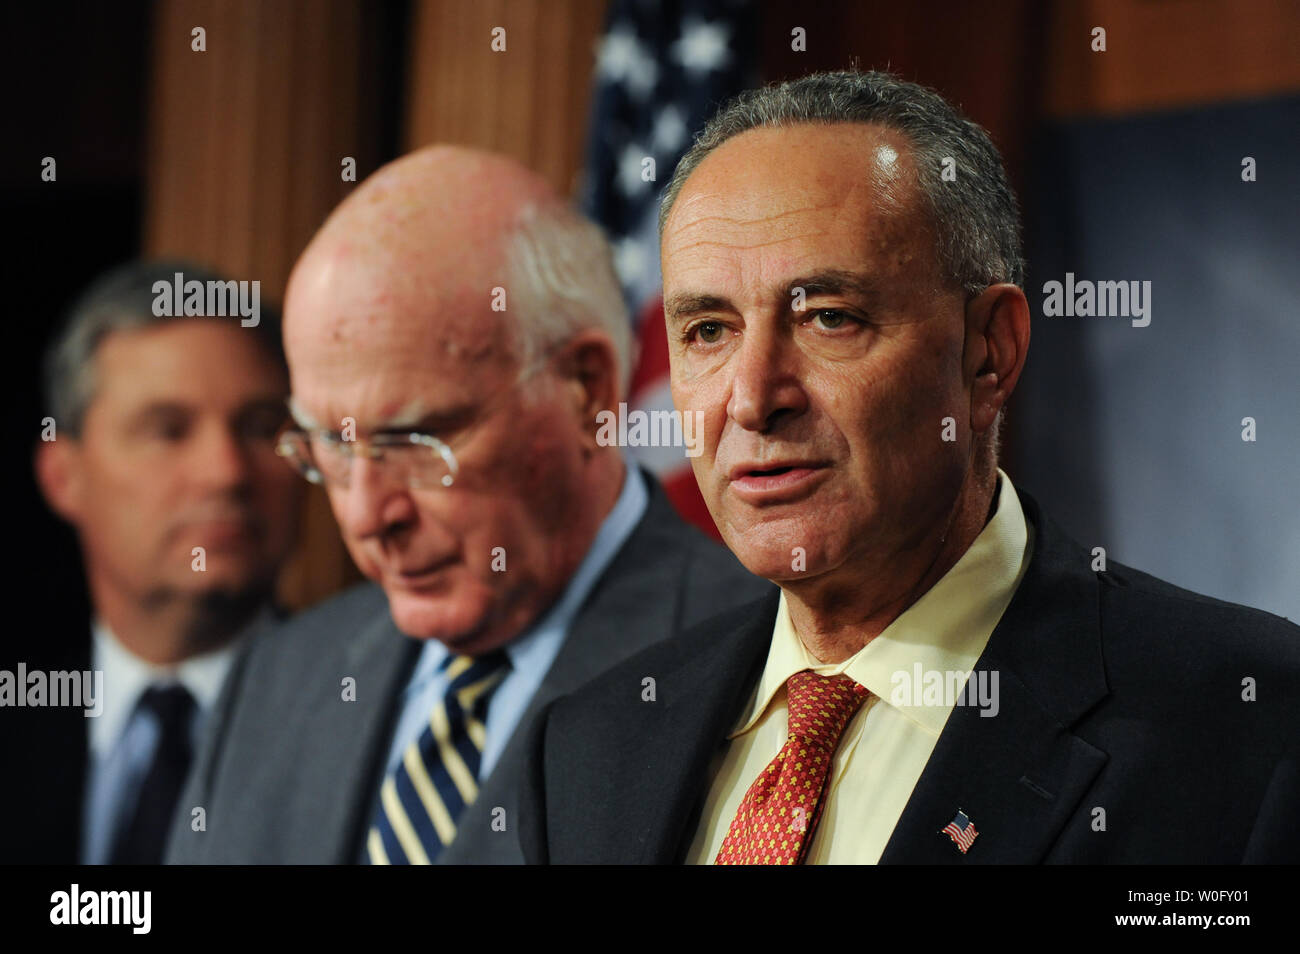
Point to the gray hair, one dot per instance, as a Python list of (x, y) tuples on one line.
[(975, 217), (562, 280), (120, 300)]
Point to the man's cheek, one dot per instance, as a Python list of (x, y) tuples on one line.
[(704, 476), (488, 551)]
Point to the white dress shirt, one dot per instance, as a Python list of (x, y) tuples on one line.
[(886, 745)]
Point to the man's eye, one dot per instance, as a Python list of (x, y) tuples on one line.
[(831, 319), (166, 429), (708, 332)]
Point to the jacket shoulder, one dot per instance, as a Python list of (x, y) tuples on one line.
[(303, 646), (1179, 623), (1158, 631), (322, 627)]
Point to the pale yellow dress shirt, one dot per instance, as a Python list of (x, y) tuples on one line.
[(886, 745)]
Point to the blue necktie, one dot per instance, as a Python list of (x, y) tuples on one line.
[(143, 837), (438, 776)]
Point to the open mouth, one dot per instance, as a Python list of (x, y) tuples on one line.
[(783, 483)]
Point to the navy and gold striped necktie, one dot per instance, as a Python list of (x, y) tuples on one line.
[(438, 777)]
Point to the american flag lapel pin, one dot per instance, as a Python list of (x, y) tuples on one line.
[(962, 831)]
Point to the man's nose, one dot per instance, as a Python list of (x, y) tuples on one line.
[(373, 503), (765, 383), (224, 459)]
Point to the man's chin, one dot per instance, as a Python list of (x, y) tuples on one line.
[(775, 553), (236, 585), (426, 617)]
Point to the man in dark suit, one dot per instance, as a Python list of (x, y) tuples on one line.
[(159, 450), (945, 676), (454, 332)]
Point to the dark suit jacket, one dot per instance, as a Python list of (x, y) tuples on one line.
[(42, 800), (44, 752), (291, 771), (1118, 692)]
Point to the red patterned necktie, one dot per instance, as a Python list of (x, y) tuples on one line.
[(776, 820)]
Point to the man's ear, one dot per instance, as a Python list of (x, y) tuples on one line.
[(59, 476), (588, 366), (997, 342)]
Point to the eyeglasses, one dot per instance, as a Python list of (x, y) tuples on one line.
[(324, 457), (421, 460)]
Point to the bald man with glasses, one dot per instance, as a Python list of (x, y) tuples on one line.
[(453, 332)]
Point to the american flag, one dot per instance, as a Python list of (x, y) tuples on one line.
[(663, 67), (962, 831)]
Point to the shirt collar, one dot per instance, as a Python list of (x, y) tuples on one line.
[(522, 651), (127, 676), (945, 630)]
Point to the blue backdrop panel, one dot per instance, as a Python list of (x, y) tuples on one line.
[(1132, 436)]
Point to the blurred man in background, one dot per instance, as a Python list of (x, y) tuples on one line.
[(160, 451), (454, 333)]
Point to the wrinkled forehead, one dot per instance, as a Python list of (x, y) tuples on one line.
[(404, 293), (772, 207), (395, 388), (367, 340), (192, 365), (770, 184)]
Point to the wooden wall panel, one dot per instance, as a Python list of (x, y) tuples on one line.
[(529, 102), (246, 139), (244, 150), (1167, 54)]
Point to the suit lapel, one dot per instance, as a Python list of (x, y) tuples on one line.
[(632, 606), (703, 694), (358, 735), (1018, 775)]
